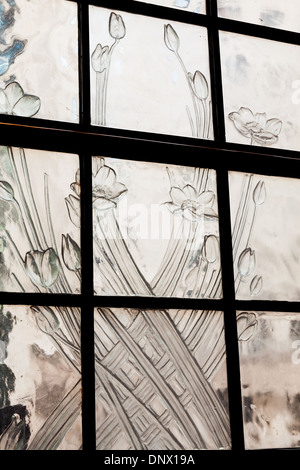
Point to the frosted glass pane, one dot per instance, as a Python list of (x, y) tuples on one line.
[(39, 59), (274, 13), (149, 75), (269, 362), (39, 221), (161, 380), (196, 6), (40, 377), (261, 91), (266, 236), (156, 230)]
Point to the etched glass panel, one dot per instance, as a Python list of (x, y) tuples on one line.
[(149, 75), (273, 13), (155, 230), (196, 6), (265, 236), (39, 59), (269, 363), (40, 377), (261, 91), (161, 380), (39, 221)]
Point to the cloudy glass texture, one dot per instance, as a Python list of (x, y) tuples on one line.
[(269, 364), (273, 13), (261, 91)]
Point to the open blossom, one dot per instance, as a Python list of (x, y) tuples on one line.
[(13, 100), (42, 267), (262, 130), (191, 204), (106, 188)]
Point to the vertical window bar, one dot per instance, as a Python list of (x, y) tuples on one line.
[(215, 71), (231, 335), (84, 63)]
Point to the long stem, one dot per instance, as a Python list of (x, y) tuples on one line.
[(31, 196), (106, 79), (51, 229), (23, 199), (192, 93)]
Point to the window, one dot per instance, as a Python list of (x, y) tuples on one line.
[(149, 233)]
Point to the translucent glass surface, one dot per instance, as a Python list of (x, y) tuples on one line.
[(196, 6), (274, 13), (149, 75), (261, 89), (269, 362), (40, 378), (39, 221), (39, 59), (161, 380), (265, 236), (155, 230)]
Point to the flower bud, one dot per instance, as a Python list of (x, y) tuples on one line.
[(71, 253), (42, 267), (256, 285), (210, 248), (46, 319), (259, 193), (6, 191), (200, 85), (100, 58), (246, 262), (171, 38), (73, 206), (117, 28), (246, 325)]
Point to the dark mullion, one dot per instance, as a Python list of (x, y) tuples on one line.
[(84, 65), (87, 310), (215, 73), (231, 336)]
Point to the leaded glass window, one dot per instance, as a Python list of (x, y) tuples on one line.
[(149, 228)]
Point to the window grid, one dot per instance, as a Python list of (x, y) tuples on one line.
[(87, 140)]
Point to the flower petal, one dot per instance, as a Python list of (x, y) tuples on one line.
[(117, 190), (5, 107), (14, 93), (27, 106), (206, 198), (261, 119), (274, 126), (241, 119), (177, 196), (190, 192), (265, 138), (106, 176), (50, 267)]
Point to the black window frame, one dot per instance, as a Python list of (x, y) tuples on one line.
[(87, 140)]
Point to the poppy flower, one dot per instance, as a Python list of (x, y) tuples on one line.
[(106, 188), (190, 204), (260, 129)]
